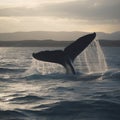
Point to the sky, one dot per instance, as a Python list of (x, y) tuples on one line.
[(60, 15)]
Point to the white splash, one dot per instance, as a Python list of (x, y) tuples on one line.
[(43, 68), (92, 59)]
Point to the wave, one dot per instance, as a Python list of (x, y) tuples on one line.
[(63, 89), (10, 70), (64, 77), (113, 74), (66, 110), (20, 74), (52, 76), (26, 99), (85, 109), (11, 115)]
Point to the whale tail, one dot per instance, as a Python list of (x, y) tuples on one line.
[(67, 56)]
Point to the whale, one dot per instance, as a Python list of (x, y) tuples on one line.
[(66, 56)]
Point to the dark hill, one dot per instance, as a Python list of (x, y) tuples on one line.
[(51, 43)]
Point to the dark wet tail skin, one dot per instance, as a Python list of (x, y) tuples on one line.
[(69, 54), (75, 48)]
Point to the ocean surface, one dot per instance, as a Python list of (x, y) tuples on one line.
[(26, 93)]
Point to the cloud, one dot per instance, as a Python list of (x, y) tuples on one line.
[(90, 10), (8, 24), (78, 9), (100, 15)]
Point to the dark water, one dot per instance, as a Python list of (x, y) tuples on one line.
[(25, 94)]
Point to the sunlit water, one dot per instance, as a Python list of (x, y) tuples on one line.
[(26, 94)]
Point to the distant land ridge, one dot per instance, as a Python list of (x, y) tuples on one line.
[(51, 43), (58, 36), (53, 39)]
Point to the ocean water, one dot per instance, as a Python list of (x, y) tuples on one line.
[(27, 94)]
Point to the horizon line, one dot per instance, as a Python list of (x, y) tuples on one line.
[(57, 31)]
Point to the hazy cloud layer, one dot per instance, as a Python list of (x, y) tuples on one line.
[(104, 9), (79, 9), (76, 14)]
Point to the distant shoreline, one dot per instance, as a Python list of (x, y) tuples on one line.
[(52, 43)]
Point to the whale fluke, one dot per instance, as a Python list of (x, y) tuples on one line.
[(67, 56)]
